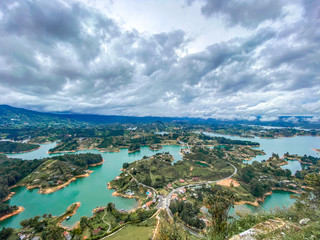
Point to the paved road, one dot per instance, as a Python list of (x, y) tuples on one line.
[(167, 200)]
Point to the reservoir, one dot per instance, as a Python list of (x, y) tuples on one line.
[(294, 145), (92, 191)]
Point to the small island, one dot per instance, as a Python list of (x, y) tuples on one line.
[(9, 147), (58, 172)]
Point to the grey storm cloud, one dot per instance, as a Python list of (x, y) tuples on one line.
[(57, 56), (248, 13)]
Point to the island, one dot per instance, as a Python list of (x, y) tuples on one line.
[(16, 147)]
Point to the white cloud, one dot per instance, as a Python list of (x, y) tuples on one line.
[(168, 60)]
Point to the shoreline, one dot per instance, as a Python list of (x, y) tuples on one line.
[(259, 200), (78, 204), (58, 187), (115, 193), (132, 151), (19, 210), (7, 198), (97, 164), (242, 202), (34, 149), (104, 150)]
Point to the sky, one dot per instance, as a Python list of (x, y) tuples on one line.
[(232, 59)]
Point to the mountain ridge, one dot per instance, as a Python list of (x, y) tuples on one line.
[(10, 115)]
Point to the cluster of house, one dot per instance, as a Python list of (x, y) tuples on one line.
[(26, 236), (174, 196), (288, 183)]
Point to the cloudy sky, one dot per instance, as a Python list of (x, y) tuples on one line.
[(197, 58)]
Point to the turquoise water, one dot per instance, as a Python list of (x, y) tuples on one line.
[(295, 145), (90, 191), (278, 200), (42, 152)]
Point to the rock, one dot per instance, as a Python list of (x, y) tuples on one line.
[(304, 221), (266, 227)]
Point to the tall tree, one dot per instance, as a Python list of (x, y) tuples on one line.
[(219, 201)]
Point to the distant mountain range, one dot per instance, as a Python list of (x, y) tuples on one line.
[(19, 116)]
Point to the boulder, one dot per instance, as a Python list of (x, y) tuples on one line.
[(304, 221)]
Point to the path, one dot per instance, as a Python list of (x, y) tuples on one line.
[(106, 221)]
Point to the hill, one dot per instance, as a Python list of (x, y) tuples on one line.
[(12, 116)]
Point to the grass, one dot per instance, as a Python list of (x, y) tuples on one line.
[(142, 231)]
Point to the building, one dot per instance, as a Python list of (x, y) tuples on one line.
[(67, 235), (174, 196), (182, 190)]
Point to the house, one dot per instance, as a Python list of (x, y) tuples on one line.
[(67, 235), (129, 192), (174, 196), (169, 185), (181, 180), (149, 193), (184, 199), (117, 177), (182, 190), (96, 231), (195, 179), (148, 204)]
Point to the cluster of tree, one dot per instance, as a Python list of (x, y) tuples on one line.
[(223, 140), (6, 209), (89, 224), (187, 212), (15, 147), (250, 174), (66, 144), (81, 160), (14, 170), (44, 228), (134, 147), (159, 182), (310, 160)]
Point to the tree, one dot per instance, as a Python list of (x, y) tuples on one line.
[(125, 165), (110, 206), (288, 173), (148, 180), (219, 201), (5, 233), (256, 188)]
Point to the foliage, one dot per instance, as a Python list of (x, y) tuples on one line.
[(187, 212), (219, 201), (15, 147)]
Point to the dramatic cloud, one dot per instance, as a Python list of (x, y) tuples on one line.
[(76, 56)]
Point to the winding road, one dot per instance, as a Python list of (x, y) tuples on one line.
[(167, 200)]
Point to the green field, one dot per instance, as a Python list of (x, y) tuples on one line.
[(142, 231)]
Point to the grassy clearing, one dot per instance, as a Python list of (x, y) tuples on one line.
[(142, 231)]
